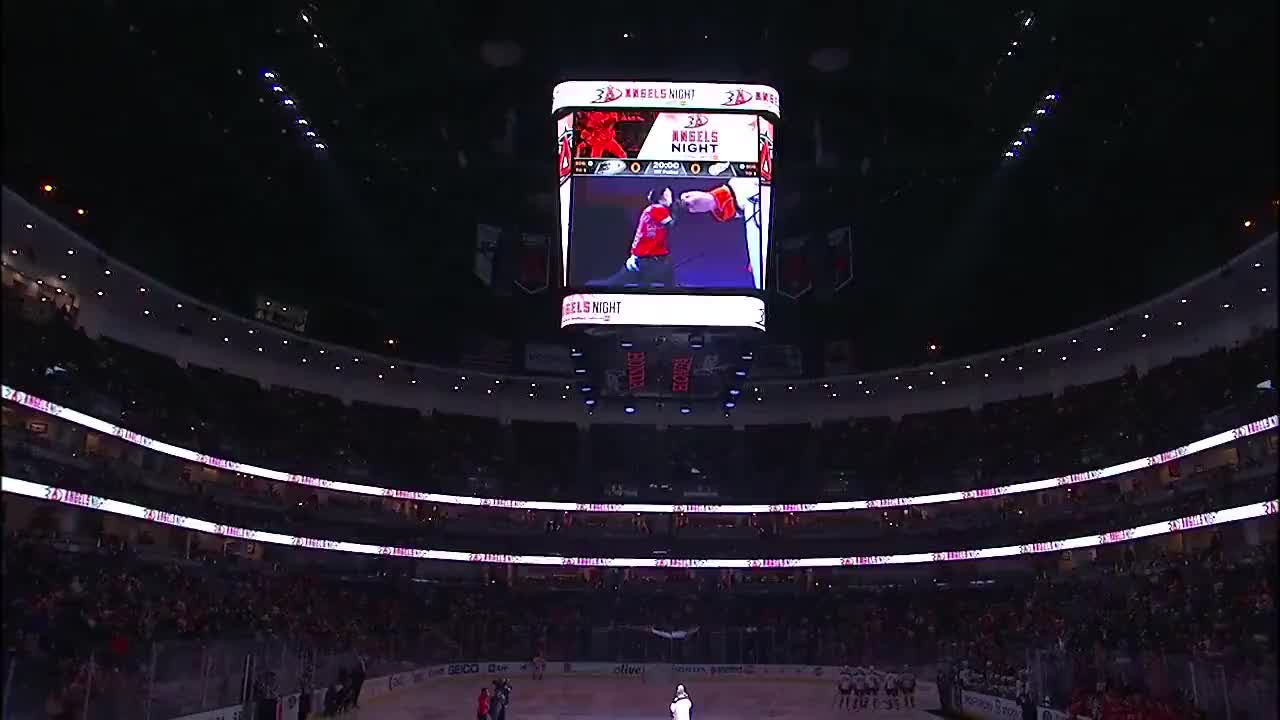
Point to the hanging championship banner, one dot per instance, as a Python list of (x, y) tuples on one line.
[(487, 238), (533, 266), (795, 277), (840, 257)]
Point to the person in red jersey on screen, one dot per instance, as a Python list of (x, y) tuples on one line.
[(649, 263), (600, 135)]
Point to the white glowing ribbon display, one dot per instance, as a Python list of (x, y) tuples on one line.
[(117, 507), (102, 426)]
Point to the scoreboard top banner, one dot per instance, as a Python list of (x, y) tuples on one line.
[(665, 95)]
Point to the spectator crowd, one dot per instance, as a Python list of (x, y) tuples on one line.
[(228, 416)]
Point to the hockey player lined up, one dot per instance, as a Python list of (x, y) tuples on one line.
[(862, 686), (844, 688), (875, 682), (891, 691), (907, 683)]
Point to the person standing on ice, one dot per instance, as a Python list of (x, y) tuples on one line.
[(682, 705)]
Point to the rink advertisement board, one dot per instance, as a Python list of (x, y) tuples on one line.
[(666, 189), (979, 706)]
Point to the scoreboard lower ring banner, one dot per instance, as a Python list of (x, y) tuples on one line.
[(665, 168)]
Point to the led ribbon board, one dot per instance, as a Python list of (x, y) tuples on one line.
[(117, 507), (102, 426)]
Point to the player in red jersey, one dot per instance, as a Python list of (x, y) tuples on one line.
[(600, 134), (649, 263)]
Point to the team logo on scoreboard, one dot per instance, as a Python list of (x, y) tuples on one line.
[(737, 97), (610, 167), (607, 94), (766, 152), (696, 121), (565, 151)]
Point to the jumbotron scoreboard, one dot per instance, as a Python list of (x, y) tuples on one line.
[(665, 203)]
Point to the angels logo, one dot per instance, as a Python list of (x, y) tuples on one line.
[(766, 158), (607, 94), (734, 98), (696, 121), (565, 149)]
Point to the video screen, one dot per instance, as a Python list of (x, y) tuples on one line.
[(666, 201), (659, 232)]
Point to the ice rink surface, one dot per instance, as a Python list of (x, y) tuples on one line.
[(605, 698)]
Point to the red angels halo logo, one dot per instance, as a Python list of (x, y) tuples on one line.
[(566, 155), (607, 94), (736, 97), (766, 158), (696, 121)]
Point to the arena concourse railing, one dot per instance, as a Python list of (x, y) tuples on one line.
[(116, 507), (73, 416)]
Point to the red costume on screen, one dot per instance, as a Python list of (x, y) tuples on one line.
[(600, 135), (726, 206), (651, 232)]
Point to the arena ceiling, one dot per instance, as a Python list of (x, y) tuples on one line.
[(157, 120)]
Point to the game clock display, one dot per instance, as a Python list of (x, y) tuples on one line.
[(665, 190)]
